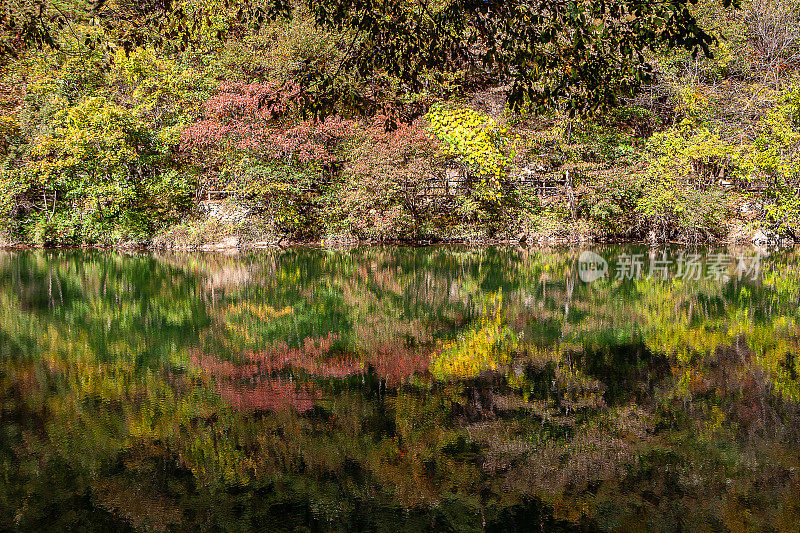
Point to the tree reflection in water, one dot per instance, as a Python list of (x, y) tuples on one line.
[(394, 388)]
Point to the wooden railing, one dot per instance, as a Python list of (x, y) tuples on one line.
[(436, 186), (210, 195)]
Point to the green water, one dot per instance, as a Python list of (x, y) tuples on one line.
[(399, 389)]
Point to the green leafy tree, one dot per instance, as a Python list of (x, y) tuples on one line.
[(94, 172), (774, 158)]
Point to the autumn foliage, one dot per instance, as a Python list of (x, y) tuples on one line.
[(386, 190), (259, 117), (255, 384), (270, 395)]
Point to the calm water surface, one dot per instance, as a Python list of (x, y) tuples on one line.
[(400, 389)]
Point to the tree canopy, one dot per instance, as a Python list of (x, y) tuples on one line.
[(578, 55)]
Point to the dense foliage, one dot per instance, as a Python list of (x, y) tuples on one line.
[(182, 123)]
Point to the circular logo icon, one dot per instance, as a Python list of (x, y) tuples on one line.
[(591, 267)]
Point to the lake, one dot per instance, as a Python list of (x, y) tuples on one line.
[(401, 389)]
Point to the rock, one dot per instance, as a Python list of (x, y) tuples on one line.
[(764, 237), (751, 209), (132, 245), (339, 240), (228, 243), (739, 233), (223, 211)]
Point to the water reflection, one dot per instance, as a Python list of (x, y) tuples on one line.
[(397, 388)]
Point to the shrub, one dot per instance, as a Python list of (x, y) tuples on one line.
[(88, 164), (477, 142), (774, 158), (251, 142), (473, 138), (93, 178), (285, 192), (610, 202), (257, 118), (165, 92), (681, 197), (383, 191), (675, 210)]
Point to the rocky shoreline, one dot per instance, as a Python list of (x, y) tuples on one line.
[(760, 239)]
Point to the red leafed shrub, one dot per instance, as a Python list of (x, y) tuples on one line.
[(258, 117), (266, 101), (386, 188)]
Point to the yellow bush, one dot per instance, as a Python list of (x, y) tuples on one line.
[(474, 138)]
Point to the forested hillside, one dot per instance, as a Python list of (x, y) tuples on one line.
[(186, 123)]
